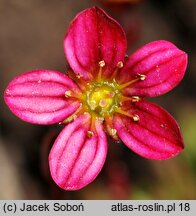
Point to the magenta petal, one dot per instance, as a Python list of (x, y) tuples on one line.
[(163, 64), (77, 158), (94, 36), (39, 97), (155, 136)]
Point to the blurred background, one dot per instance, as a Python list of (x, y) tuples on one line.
[(31, 37)]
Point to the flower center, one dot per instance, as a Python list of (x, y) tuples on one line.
[(103, 98)]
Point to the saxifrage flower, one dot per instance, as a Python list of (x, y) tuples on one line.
[(103, 93)]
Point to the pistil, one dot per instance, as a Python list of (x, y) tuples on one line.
[(102, 98)]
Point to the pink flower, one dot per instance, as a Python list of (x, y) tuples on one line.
[(105, 96)]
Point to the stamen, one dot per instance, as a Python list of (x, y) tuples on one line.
[(124, 85), (68, 94), (71, 94), (118, 110), (78, 79), (90, 134), (132, 98), (113, 132), (81, 82), (74, 115), (135, 98), (134, 117), (100, 119), (69, 119), (71, 74), (141, 77), (78, 76), (110, 129), (118, 66), (101, 65)]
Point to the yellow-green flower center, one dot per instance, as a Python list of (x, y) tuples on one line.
[(103, 98)]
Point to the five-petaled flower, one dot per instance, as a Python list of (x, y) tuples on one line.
[(105, 95)]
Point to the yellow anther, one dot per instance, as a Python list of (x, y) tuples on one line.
[(90, 134), (70, 119), (100, 119), (78, 76), (142, 77), (102, 63), (136, 118), (113, 132), (120, 64), (135, 98), (73, 95), (68, 94)]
